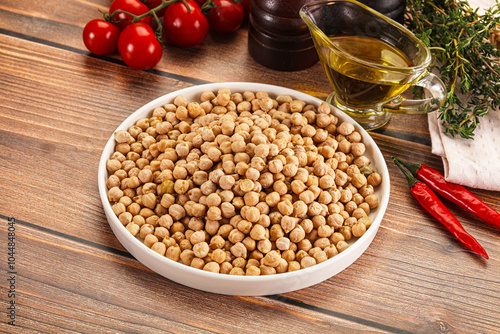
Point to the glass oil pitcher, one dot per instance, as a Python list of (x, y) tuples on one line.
[(370, 61)]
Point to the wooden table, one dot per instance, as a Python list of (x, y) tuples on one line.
[(58, 106)]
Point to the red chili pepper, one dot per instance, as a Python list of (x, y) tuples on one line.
[(453, 192), (431, 203)]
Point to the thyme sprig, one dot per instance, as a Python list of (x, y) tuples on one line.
[(467, 62)]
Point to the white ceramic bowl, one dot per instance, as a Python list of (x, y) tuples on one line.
[(243, 285)]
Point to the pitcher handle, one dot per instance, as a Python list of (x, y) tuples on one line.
[(433, 85)]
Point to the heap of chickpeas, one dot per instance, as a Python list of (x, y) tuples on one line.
[(242, 183)]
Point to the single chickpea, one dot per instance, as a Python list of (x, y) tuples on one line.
[(362, 161), (293, 266), (214, 199), (374, 179), (272, 259), (299, 208), (186, 256), (133, 228), (307, 196), (322, 242), (122, 136), (366, 190), (239, 250), (266, 270), (345, 146), (346, 232), (218, 255), (314, 209), (225, 268), (326, 182), (197, 237), (345, 128), (238, 202), (372, 201), (253, 271), (275, 166), (307, 225), (358, 149), (246, 185), (283, 243), (253, 214), (237, 271), (197, 263), (125, 218), (159, 248), (251, 198), (214, 213), (244, 226), (264, 246), (365, 206), (173, 253), (226, 182), (276, 232), (280, 187), (358, 213), (181, 186), (285, 207), (307, 261), (358, 229), (201, 249), (114, 194), (297, 234), (273, 198), (342, 246), (320, 256)]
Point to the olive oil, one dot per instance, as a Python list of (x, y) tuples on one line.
[(359, 85)]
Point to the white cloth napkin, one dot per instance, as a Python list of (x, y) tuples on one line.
[(470, 162), (474, 163)]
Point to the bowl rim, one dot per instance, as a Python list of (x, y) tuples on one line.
[(118, 227)]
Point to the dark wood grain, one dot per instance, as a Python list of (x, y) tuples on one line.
[(58, 107)]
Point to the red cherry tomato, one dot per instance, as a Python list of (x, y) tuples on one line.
[(182, 27), (101, 37), (155, 3), (132, 6), (139, 47), (225, 16)]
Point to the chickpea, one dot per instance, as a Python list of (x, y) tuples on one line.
[(297, 234), (372, 201), (358, 229), (133, 228), (275, 166), (173, 252), (239, 250), (283, 243), (264, 246), (342, 246), (307, 261), (374, 179), (226, 182), (272, 259)]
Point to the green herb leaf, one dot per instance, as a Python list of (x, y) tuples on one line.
[(459, 40)]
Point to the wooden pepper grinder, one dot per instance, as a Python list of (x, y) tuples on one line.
[(280, 40), (277, 36)]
